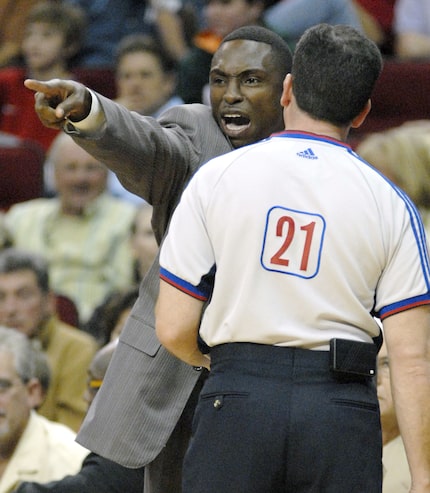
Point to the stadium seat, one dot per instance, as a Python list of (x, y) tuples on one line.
[(21, 170)]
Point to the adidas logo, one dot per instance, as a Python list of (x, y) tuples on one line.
[(308, 154)]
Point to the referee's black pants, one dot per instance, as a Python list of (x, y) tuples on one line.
[(275, 420)]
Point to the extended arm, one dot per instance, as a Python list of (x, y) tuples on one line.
[(177, 320), (152, 158), (147, 158), (407, 337)]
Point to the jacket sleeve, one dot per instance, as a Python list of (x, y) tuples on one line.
[(155, 158), (143, 151)]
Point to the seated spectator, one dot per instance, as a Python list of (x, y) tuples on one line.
[(143, 243), (51, 38), (32, 448), (145, 76), (291, 18), (97, 370), (222, 17), (97, 475), (109, 317), (412, 29), (111, 20), (397, 478), (28, 305), (12, 22), (83, 231), (146, 83), (403, 155)]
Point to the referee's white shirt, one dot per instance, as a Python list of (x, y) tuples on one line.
[(308, 240)]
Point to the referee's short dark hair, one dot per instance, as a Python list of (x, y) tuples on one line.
[(334, 71)]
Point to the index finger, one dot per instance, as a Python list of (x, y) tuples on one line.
[(51, 87), (36, 85)]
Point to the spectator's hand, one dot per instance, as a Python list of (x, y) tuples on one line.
[(56, 100)]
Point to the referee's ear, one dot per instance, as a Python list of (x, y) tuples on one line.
[(359, 119), (287, 91)]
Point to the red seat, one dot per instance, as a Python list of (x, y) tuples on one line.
[(101, 80), (67, 310), (21, 170), (401, 94)]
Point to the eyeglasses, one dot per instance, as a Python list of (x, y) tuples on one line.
[(94, 384)]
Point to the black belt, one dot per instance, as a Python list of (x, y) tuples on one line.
[(345, 357)]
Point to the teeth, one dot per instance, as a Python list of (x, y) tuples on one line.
[(236, 120), (234, 126)]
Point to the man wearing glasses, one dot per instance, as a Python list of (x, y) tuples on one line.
[(31, 447)]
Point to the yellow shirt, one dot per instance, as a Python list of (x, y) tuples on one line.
[(89, 255), (46, 452)]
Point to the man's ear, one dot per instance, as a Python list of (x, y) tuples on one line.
[(359, 119), (71, 50), (51, 302), (36, 395), (287, 90)]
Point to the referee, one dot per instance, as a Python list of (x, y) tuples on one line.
[(293, 245)]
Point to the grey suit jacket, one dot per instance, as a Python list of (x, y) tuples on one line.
[(146, 389)]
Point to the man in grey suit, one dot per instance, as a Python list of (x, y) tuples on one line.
[(142, 415)]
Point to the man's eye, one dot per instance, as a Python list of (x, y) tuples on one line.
[(26, 294), (5, 385), (217, 81), (252, 80)]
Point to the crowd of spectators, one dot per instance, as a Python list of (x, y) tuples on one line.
[(85, 236)]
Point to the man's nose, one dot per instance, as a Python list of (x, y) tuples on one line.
[(233, 92), (81, 173)]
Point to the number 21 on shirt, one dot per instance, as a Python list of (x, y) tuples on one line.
[(293, 242)]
